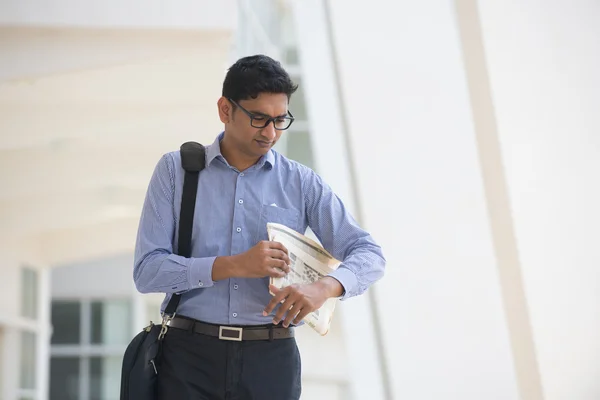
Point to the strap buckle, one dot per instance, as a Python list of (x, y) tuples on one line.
[(230, 333), (165, 325)]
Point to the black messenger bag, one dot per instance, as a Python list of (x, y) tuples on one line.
[(141, 361)]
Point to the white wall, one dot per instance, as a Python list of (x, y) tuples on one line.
[(9, 311), (102, 278), (359, 355), (544, 58), (422, 196), (51, 86)]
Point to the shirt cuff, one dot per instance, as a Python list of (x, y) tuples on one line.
[(348, 280), (200, 272)]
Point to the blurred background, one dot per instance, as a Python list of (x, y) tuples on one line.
[(465, 135)]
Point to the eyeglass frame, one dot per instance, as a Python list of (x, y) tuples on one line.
[(268, 118)]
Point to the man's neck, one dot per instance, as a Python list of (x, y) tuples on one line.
[(235, 158)]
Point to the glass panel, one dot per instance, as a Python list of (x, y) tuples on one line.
[(64, 378), (298, 148), (29, 294), (97, 322), (66, 322), (268, 13), (298, 102), (288, 38), (95, 378), (291, 56), (28, 347), (26, 394), (111, 322), (105, 377)]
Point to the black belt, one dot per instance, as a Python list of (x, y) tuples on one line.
[(236, 333)]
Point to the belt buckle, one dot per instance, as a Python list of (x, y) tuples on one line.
[(225, 333)]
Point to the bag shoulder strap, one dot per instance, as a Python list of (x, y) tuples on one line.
[(193, 160)]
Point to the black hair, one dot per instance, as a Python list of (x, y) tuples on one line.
[(253, 75)]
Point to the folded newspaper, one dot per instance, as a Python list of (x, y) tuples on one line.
[(309, 262)]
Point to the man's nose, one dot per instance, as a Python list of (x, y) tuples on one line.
[(269, 131)]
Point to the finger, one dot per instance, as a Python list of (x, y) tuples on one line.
[(280, 264), (275, 272), (274, 289), (280, 254), (283, 309), (279, 246), (296, 309), (291, 297), (279, 296), (301, 315)]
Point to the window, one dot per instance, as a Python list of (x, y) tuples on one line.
[(298, 148), (29, 292), (28, 352), (64, 378), (104, 329), (298, 102), (66, 322), (291, 55), (88, 341), (105, 377)]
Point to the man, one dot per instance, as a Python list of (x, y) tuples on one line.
[(226, 281)]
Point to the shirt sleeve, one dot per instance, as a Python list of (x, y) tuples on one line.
[(362, 259), (156, 268)]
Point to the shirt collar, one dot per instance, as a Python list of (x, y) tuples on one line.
[(267, 160), (214, 150)]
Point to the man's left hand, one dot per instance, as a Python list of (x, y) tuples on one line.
[(301, 300)]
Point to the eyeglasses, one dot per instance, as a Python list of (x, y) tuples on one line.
[(262, 121)]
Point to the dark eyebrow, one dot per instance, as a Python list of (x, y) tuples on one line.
[(266, 115)]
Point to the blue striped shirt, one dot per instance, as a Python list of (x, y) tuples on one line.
[(231, 214)]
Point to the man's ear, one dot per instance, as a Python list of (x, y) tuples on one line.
[(225, 110)]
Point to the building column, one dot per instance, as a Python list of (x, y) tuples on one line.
[(10, 362), (367, 377), (44, 334)]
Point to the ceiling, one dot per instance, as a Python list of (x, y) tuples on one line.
[(84, 117)]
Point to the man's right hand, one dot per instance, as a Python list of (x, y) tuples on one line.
[(264, 259)]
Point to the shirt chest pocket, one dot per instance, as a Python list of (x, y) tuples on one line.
[(284, 216)]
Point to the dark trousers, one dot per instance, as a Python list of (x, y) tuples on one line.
[(199, 367)]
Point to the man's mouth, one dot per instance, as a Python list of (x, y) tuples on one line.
[(264, 143)]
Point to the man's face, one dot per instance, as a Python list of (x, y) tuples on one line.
[(253, 142)]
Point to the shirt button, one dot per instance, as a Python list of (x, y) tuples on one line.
[(235, 287), (200, 283), (241, 201), (242, 174), (238, 229), (234, 315)]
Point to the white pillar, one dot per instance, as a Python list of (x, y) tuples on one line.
[(543, 59), (11, 367), (422, 197), (366, 375), (10, 310), (43, 334)]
